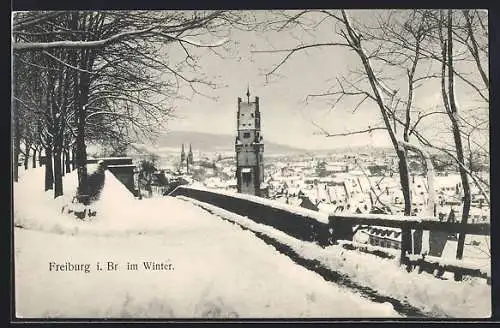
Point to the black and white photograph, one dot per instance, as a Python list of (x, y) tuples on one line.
[(251, 164)]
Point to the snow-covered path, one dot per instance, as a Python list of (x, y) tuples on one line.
[(219, 270), (222, 274)]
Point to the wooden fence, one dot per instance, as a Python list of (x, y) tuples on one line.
[(305, 225)]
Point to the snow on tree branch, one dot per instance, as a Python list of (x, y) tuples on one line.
[(20, 46), (25, 46), (343, 134)]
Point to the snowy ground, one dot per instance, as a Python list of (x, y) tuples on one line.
[(218, 269), (470, 298)]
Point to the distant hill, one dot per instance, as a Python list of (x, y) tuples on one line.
[(207, 142), (170, 142)]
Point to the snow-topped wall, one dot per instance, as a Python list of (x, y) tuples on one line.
[(301, 223), (326, 229)]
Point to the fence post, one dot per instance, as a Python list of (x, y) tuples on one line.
[(417, 240), (342, 228), (405, 242)]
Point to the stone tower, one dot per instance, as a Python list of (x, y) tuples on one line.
[(189, 159), (190, 154), (183, 155), (249, 148)]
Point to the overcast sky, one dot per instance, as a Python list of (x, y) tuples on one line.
[(286, 117)]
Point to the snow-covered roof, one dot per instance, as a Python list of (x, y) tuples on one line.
[(327, 208), (112, 158), (122, 165), (356, 172), (386, 233)]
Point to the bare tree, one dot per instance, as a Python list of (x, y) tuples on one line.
[(471, 35), (369, 85), (106, 65), (451, 106), (402, 45), (448, 33)]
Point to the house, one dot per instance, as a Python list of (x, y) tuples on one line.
[(384, 237), (479, 214), (307, 203), (377, 169)]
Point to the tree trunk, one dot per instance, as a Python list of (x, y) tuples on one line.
[(58, 185), (63, 160), (466, 189), (27, 148), (73, 158), (68, 160), (431, 199), (17, 131), (33, 159), (81, 156), (17, 147), (81, 151), (355, 41), (49, 174), (404, 179), (453, 113), (148, 184)]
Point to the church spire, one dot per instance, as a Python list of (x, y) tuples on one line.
[(248, 93)]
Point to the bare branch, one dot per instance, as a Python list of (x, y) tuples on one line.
[(66, 64), (294, 50), (343, 134), (16, 46), (420, 117)]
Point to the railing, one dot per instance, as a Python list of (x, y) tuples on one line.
[(304, 225), (343, 230), (324, 229)]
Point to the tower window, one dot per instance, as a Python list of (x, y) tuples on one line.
[(251, 114), (246, 135)]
